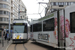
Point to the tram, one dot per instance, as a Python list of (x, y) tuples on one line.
[(45, 30), (20, 29)]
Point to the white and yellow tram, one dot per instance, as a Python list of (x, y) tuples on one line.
[(20, 29)]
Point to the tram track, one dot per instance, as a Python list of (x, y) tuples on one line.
[(17, 47)]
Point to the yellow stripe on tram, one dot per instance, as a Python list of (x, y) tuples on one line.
[(17, 37)]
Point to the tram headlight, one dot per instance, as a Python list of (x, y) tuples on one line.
[(13, 37), (21, 37)]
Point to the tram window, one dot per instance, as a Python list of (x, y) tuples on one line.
[(31, 28), (37, 27), (48, 25), (18, 28), (26, 29), (72, 22)]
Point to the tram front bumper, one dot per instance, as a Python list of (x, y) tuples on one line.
[(19, 40)]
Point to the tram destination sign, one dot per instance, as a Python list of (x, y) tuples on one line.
[(43, 36), (18, 23)]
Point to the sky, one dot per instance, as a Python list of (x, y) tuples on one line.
[(33, 8)]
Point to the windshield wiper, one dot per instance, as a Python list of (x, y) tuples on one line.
[(16, 31)]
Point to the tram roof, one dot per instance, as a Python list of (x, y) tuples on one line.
[(50, 16), (20, 21), (33, 22)]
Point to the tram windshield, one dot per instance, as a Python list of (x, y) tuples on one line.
[(18, 28)]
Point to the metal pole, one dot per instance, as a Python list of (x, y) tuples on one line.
[(9, 22), (19, 10), (9, 27), (2, 39)]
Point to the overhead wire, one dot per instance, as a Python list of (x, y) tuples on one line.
[(42, 10)]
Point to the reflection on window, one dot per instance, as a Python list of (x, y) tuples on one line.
[(48, 25), (0, 19), (18, 29), (31, 28), (72, 22), (57, 3), (37, 27), (3, 19), (72, 3), (6, 0), (4, 12), (61, 3), (4, 6)]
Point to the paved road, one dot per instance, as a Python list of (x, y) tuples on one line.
[(30, 46)]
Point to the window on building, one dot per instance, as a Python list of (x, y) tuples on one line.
[(5, 12), (4, 19), (7, 19), (0, 19), (4, 6), (1, 12), (69, 3), (72, 3), (65, 3), (6, 0), (1, 5), (61, 3), (57, 3), (54, 3), (13, 11)]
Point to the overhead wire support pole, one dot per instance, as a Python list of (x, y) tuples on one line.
[(39, 8), (9, 24), (19, 10)]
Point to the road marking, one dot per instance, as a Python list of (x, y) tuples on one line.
[(8, 46)]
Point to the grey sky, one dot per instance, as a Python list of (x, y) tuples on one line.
[(33, 7)]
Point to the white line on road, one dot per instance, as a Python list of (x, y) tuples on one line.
[(8, 46)]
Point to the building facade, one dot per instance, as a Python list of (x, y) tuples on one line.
[(10, 8), (5, 9), (53, 5)]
